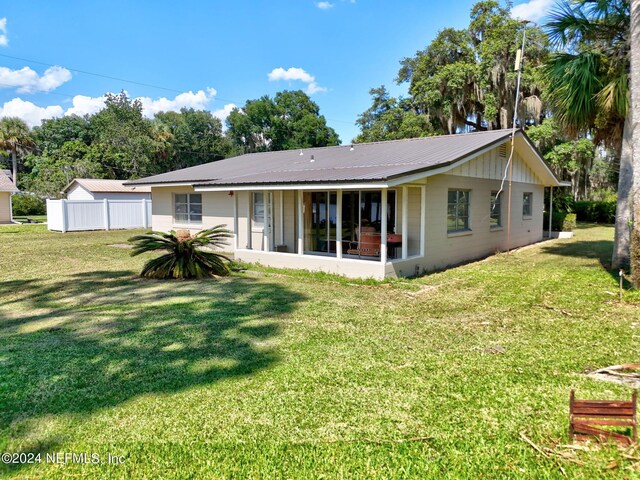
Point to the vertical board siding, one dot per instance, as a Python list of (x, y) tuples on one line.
[(491, 166), (78, 192), (5, 207)]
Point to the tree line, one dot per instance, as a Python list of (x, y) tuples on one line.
[(465, 80), (119, 142), (574, 103), (574, 96)]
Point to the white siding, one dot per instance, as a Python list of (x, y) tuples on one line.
[(444, 249), (491, 165), (122, 196), (5, 207), (481, 176), (217, 209), (78, 192)]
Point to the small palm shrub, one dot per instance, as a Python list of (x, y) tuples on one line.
[(185, 257)]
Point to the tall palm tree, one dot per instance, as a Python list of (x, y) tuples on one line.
[(588, 89), (15, 137), (635, 116)]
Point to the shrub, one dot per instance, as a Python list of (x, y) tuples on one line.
[(26, 204), (562, 203), (185, 257), (597, 212), (560, 222), (635, 256)]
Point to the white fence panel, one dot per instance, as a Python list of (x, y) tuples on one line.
[(84, 215), (78, 215), (125, 214), (148, 218), (55, 220)]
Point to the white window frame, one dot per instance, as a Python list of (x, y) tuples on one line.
[(526, 215), (468, 229), (189, 221), (254, 203), (492, 213)]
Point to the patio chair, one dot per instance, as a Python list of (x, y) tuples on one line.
[(368, 245)]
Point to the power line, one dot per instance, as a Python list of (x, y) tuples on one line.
[(133, 82), (92, 73)]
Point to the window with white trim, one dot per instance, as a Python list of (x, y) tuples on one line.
[(258, 208), (187, 208), (527, 204), (458, 210), (495, 218)]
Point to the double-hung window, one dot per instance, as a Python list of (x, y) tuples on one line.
[(527, 204), (258, 209), (187, 208), (495, 218), (458, 210)]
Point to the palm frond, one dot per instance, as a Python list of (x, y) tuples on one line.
[(185, 257), (574, 82), (613, 99)]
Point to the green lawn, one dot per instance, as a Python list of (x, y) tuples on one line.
[(293, 375)]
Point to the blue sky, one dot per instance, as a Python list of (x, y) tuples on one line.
[(213, 54)]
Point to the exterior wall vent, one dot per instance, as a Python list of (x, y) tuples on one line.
[(502, 151)]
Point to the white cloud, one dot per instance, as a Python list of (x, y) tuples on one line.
[(198, 101), (296, 74), (324, 5), (85, 105), (28, 80), (292, 73), (223, 113), (532, 10), (4, 38), (29, 112)]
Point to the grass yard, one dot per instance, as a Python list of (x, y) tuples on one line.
[(294, 375)]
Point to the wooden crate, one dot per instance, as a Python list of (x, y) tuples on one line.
[(587, 417)]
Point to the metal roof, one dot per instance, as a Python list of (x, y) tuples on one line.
[(6, 184), (363, 162), (106, 186)]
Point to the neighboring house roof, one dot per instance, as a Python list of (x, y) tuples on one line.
[(105, 186), (363, 162), (6, 182)]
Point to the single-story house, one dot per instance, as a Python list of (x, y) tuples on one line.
[(379, 209), (98, 189), (7, 188)]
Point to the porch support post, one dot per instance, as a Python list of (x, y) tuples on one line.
[(249, 219), (550, 209), (383, 227), (339, 224), (265, 226), (281, 193), (423, 219), (405, 223), (236, 236), (300, 223)]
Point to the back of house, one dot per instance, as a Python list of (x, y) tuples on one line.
[(381, 209)]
